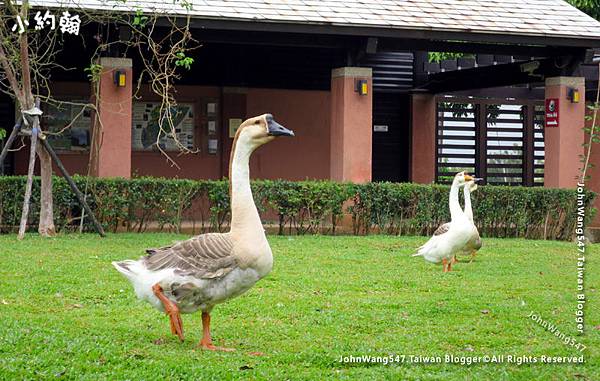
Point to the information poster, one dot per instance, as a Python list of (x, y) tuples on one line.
[(146, 127)]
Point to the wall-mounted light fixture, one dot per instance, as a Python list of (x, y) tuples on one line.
[(573, 95), (120, 78), (362, 87)]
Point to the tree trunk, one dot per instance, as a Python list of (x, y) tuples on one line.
[(26, 200), (46, 227)]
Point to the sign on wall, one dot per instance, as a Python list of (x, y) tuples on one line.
[(552, 119), (234, 124), (146, 127)]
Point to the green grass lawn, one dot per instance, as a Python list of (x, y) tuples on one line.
[(65, 313)]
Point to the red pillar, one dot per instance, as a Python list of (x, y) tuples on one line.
[(115, 113), (564, 144), (422, 166), (351, 125)]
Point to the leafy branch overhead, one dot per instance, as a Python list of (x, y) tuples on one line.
[(162, 48), (93, 72), (183, 61)]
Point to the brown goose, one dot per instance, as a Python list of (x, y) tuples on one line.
[(212, 268)]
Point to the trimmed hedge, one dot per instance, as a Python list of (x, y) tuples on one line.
[(298, 207)]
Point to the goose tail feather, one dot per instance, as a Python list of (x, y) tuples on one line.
[(129, 268)]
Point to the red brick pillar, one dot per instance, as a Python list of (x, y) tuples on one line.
[(351, 125), (422, 166), (115, 112), (563, 144)]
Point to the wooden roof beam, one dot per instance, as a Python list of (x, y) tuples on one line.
[(502, 75)]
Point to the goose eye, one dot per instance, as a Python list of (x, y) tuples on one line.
[(257, 122)]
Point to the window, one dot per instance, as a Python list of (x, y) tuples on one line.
[(68, 125), (499, 140), (456, 137)]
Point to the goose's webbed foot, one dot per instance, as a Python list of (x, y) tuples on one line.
[(445, 265), (206, 342), (172, 310)]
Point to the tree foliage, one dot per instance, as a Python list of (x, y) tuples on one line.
[(591, 7)]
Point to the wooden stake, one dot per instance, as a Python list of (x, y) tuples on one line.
[(9, 142), (29, 185), (73, 186)]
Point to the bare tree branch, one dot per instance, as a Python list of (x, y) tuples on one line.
[(28, 60), (9, 71), (27, 101)]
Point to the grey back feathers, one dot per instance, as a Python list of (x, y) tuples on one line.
[(442, 229), (204, 256)]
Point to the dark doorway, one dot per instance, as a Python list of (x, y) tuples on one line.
[(391, 118), (7, 121)]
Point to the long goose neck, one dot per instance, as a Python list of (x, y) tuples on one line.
[(455, 210), (468, 208), (244, 214)]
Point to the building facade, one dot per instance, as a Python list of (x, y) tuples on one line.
[(306, 63)]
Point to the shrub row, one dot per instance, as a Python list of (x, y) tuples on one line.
[(298, 207)]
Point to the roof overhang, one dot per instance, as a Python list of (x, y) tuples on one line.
[(499, 22), (455, 37)]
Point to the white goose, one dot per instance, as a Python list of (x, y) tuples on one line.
[(474, 243), (451, 237), (212, 268)]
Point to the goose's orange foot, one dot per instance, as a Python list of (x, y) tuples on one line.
[(176, 323), (172, 310), (206, 342), (445, 265), (211, 347), (473, 253)]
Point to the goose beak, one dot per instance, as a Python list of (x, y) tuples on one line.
[(476, 179), (276, 129), (468, 178)]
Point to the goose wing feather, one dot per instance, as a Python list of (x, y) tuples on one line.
[(205, 256), (475, 242), (442, 229)]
